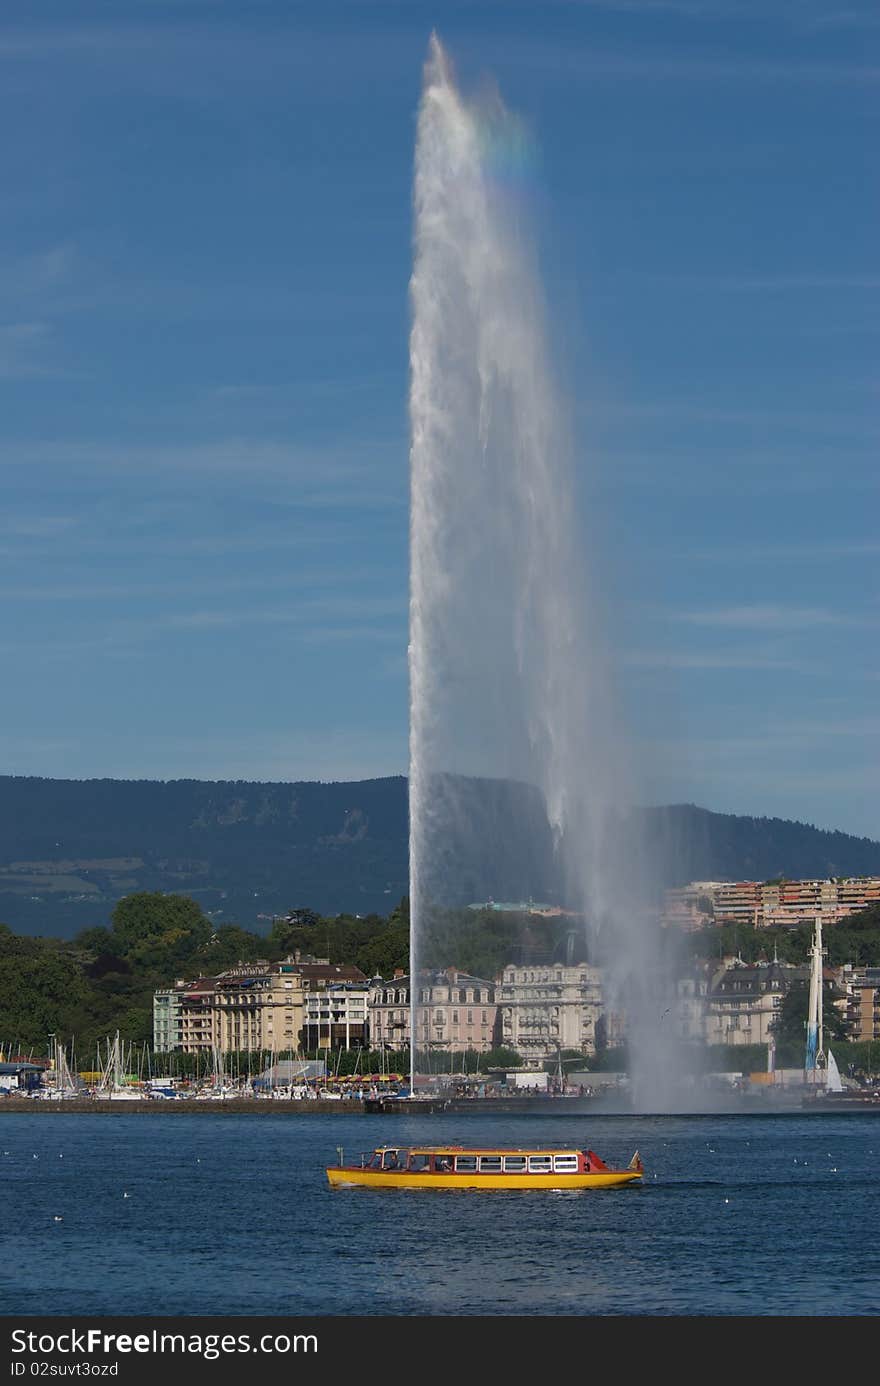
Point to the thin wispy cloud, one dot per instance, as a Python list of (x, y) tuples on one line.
[(37, 273), (797, 736), (37, 526), (327, 388), (313, 611), (23, 350), (696, 660), (248, 754), (334, 461), (696, 410), (354, 635), (800, 14), (246, 54), (764, 283), (689, 9), (110, 590), (834, 18), (787, 551), (655, 65), (767, 617), (792, 782)]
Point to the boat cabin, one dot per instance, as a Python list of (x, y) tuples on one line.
[(455, 1160)]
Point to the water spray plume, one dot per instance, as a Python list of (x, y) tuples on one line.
[(513, 734)]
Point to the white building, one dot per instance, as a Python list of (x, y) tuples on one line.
[(166, 1019), (336, 1016), (549, 1007)]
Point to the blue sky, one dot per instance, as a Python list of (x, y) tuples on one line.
[(204, 256)]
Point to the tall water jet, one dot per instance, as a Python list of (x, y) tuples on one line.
[(514, 748)]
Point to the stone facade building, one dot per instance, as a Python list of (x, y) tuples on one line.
[(549, 1007), (743, 1001), (456, 1012), (257, 1006)]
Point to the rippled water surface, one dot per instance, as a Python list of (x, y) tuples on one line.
[(215, 1214)]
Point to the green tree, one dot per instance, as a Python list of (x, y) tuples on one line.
[(500, 1058), (791, 1026), (229, 945), (99, 940), (42, 992), (154, 928)]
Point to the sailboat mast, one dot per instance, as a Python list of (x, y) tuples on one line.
[(814, 1014), (820, 1036)]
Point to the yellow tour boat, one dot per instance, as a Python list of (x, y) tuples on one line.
[(455, 1167)]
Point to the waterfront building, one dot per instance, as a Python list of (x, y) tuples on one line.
[(19, 1075), (862, 986), (256, 1006), (195, 1019), (743, 1001), (166, 1019), (260, 1006), (336, 1016), (546, 1008), (689, 907), (456, 1012), (766, 904), (388, 1012), (691, 992)]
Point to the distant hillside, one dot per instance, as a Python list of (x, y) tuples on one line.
[(69, 849)]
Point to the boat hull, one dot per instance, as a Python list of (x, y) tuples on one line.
[(340, 1175)]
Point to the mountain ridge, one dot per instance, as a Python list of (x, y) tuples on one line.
[(249, 850)]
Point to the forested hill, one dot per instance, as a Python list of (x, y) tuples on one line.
[(69, 849)]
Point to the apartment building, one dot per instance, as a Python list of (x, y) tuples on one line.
[(862, 1001), (456, 1012), (550, 1007), (195, 1015), (336, 1016), (166, 1019), (257, 1006), (768, 904), (743, 1001)]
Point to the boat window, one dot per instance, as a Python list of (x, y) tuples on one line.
[(391, 1160), (565, 1164), (419, 1162), (515, 1164), (490, 1164), (467, 1164), (376, 1161), (540, 1164)]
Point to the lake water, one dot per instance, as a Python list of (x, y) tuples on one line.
[(233, 1215)]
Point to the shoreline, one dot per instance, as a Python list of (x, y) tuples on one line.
[(191, 1106), (535, 1107)]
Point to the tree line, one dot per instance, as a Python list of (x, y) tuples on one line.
[(103, 980)]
